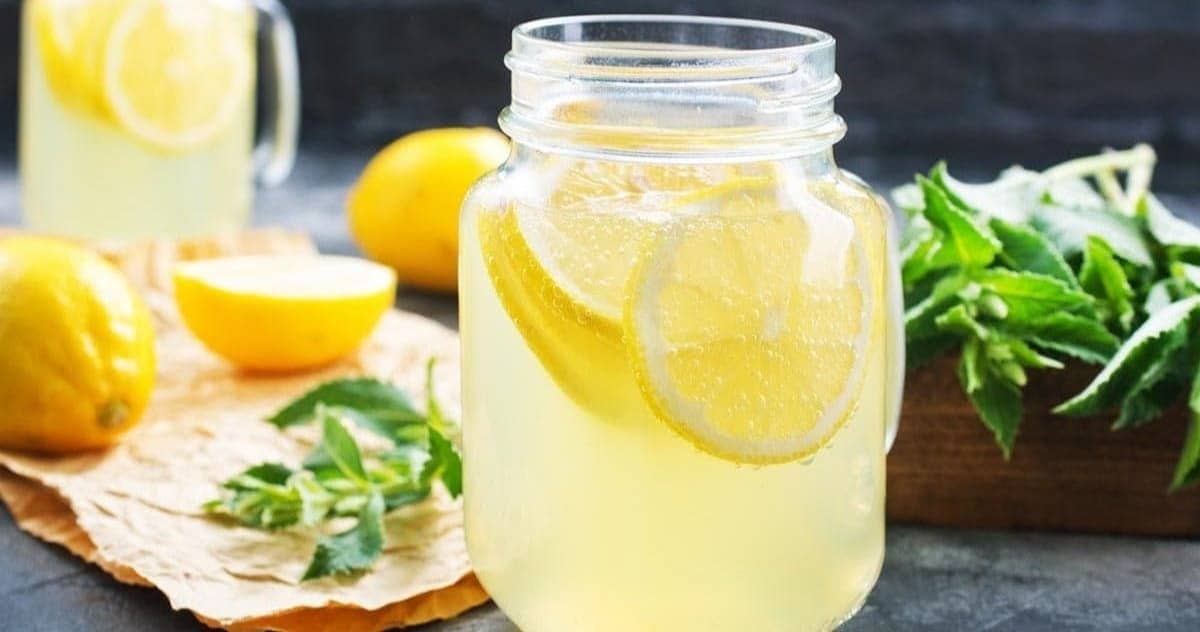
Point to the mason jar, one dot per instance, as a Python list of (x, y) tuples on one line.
[(680, 335)]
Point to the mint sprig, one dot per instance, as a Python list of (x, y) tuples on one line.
[(1038, 268), (338, 480)]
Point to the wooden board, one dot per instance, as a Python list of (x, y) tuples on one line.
[(1065, 474)]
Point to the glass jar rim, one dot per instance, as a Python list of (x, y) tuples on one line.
[(808, 39), (778, 77)]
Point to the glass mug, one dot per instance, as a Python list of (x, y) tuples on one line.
[(137, 116), (680, 335)]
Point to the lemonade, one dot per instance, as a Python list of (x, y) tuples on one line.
[(679, 336), (137, 116)]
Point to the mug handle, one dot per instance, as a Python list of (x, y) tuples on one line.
[(275, 152)]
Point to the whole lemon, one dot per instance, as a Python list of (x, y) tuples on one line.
[(404, 209), (76, 348)]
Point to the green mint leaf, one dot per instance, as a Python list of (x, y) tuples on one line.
[(1187, 470), (1026, 250), (399, 426), (918, 262), (970, 367), (1167, 228), (1158, 388), (966, 242), (320, 464), (1027, 356), (1009, 197), (370, 398), (920, 320), (1103, 277), (923, 339), (1160, 295), (444, 464), (1157, 338), (354, 550), (259, 476), (995, 398), (957, 320), (435, 417), (315, 501), (408, 496), (918, 244), (1031, 296), (399, 475), (1077, 336), (263, 496), (341, 448), (214, 506), (1068, 228)]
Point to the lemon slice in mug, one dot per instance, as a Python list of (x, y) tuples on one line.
[(176, 71), (748, 333), (70, 39)]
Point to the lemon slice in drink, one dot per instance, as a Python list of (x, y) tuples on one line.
[(599, 217), (748, 333), (579, 348), (175, 72), (69, 36), (560, 267)]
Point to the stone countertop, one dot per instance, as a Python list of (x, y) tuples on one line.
[(933, 579)]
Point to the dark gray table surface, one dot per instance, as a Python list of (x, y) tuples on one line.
[(933, 579)]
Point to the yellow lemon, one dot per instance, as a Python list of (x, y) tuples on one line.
[(76, 348), (280, 313), (404, 209)]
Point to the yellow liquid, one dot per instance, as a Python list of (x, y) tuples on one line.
[(84, 176), (578, 520)]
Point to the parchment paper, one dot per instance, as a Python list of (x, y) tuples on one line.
[(134, 510)]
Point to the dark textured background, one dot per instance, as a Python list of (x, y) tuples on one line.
[(983, 83)]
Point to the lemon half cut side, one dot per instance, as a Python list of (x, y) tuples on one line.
[(283, 312)]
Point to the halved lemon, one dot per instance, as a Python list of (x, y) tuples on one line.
[(748, 333), (175, 72), (272, 312)]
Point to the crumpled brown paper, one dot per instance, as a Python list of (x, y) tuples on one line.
[(135, 511)]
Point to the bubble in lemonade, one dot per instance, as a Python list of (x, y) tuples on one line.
[(136, 116), (674, 393)]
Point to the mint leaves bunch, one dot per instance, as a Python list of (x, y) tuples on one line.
[(339, 480), (1036, 269)]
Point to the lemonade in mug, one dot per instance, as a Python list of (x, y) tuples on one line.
[(680, 335), (137, 116)]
